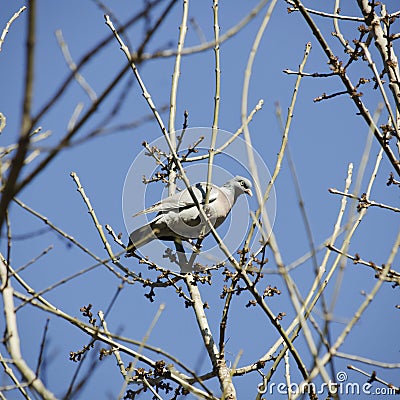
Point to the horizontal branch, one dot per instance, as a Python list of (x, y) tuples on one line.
[(391, 276), (324, 14), (312, 75), (373, 377), (364, 202), (367, 360)]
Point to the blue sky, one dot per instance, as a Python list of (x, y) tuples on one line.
[(324, 138)]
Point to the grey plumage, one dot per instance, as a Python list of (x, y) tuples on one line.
[(178, 218)]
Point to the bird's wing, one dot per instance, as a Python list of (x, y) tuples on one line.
[(199, 190), (182, 200)]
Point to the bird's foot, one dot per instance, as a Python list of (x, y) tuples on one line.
[(195, 246)]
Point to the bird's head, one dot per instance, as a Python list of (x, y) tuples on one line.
[(240, 185)]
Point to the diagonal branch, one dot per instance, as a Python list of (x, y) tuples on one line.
[(10, 187)]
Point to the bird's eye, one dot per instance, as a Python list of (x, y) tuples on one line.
[(242, 183)]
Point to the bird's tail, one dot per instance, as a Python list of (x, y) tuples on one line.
[(140, 237)]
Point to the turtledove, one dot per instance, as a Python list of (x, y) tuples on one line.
[(178, 218)]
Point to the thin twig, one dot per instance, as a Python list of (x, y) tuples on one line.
[(224, 318), (115, 351), (42, 346), (174, 89), (287, 374), (306, 74), (338, 33), (155, 394), (3, 122), (7, 27), (282, 149), (367, 360), (128, 376), (364, 202), (208, 45), (217, 100), (244, 106), (12, 376), (72, 66), (326, 15), (239, 131), (35, 137), (373, 377), (92, 213), (73, 240), (392, 276)]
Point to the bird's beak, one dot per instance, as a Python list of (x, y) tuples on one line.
[(249, 192)]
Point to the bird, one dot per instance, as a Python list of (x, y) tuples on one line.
[(178, 218)]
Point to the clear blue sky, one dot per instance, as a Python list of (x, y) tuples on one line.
[(324, 138)]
